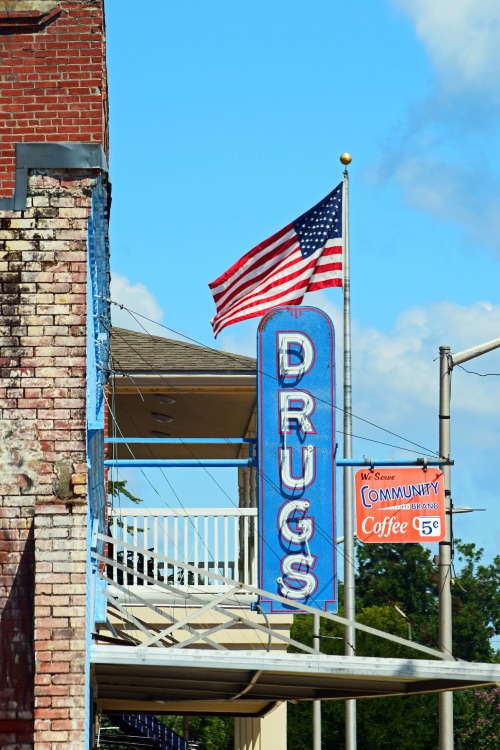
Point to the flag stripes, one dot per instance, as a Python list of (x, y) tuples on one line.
[(302, 257)]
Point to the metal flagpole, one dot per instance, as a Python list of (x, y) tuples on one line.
[(349, 594)]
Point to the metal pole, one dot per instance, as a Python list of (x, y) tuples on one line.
[(475, 351), (349, 593), (316, 642), (447, 360), (152, 463), (445, 618), (247, 462)]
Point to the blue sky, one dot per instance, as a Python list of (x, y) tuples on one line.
[(227, 121)]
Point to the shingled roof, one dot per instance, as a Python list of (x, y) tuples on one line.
[(142, 353)]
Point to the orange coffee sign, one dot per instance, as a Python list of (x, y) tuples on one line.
[(400, 505)]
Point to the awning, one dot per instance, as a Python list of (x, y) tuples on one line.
[(248, 683)]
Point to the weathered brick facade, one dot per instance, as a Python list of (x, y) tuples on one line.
[(43, 467), (52, 88)]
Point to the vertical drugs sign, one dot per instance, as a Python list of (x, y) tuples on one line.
[(296, 459)]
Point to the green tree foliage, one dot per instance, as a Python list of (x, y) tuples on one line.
[(212, 732), (208, 732), (476, 604), (118, 488), (395, 579), (481, 715), (389, 620), (380, 719), (405, 723), (401, 575), (111, 737), (300, 714)]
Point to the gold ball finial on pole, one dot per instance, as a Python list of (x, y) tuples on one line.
[(345, 158)]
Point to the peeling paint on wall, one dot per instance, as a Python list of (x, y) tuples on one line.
[(21, 457)]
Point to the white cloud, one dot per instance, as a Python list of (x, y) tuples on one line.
[(138, 299), (396, 386), (443, 189), (462, 38), (396, 373), (444, 157), (399, 373), (396, 377)]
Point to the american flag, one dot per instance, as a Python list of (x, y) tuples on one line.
[(304, 256)]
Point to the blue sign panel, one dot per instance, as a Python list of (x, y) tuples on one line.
[(296, 457)]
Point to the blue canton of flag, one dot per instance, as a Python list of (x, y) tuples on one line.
[(320, 224)]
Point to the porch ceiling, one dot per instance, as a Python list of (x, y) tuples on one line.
[(250, 683), (167, 388)]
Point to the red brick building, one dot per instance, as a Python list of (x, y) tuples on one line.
[(54, 202)]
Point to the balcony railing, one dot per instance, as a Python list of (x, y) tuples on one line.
[(221, 540)]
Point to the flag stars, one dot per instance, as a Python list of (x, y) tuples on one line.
[(321, 223)]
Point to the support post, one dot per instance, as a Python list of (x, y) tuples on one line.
[(316, 642), (447, 360), (445, 617)]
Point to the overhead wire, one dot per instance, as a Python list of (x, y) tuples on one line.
[(385, 595), (257, 532), (321, 531), (479, 374), (152, 369), (173, 388), (116, 429), (167, 535), (184, 508), (148, 480), (337, 431), (136, 315), (154, 488)]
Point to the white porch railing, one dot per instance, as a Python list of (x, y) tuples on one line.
[(222, 540)]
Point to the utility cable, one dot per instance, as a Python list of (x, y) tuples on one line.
[(234, 358), (480, 374), (172, 387), (325, 535), (190, 520), (135, 314)]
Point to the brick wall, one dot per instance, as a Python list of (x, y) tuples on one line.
[(53, 77), (52, 89), (43, 465)]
